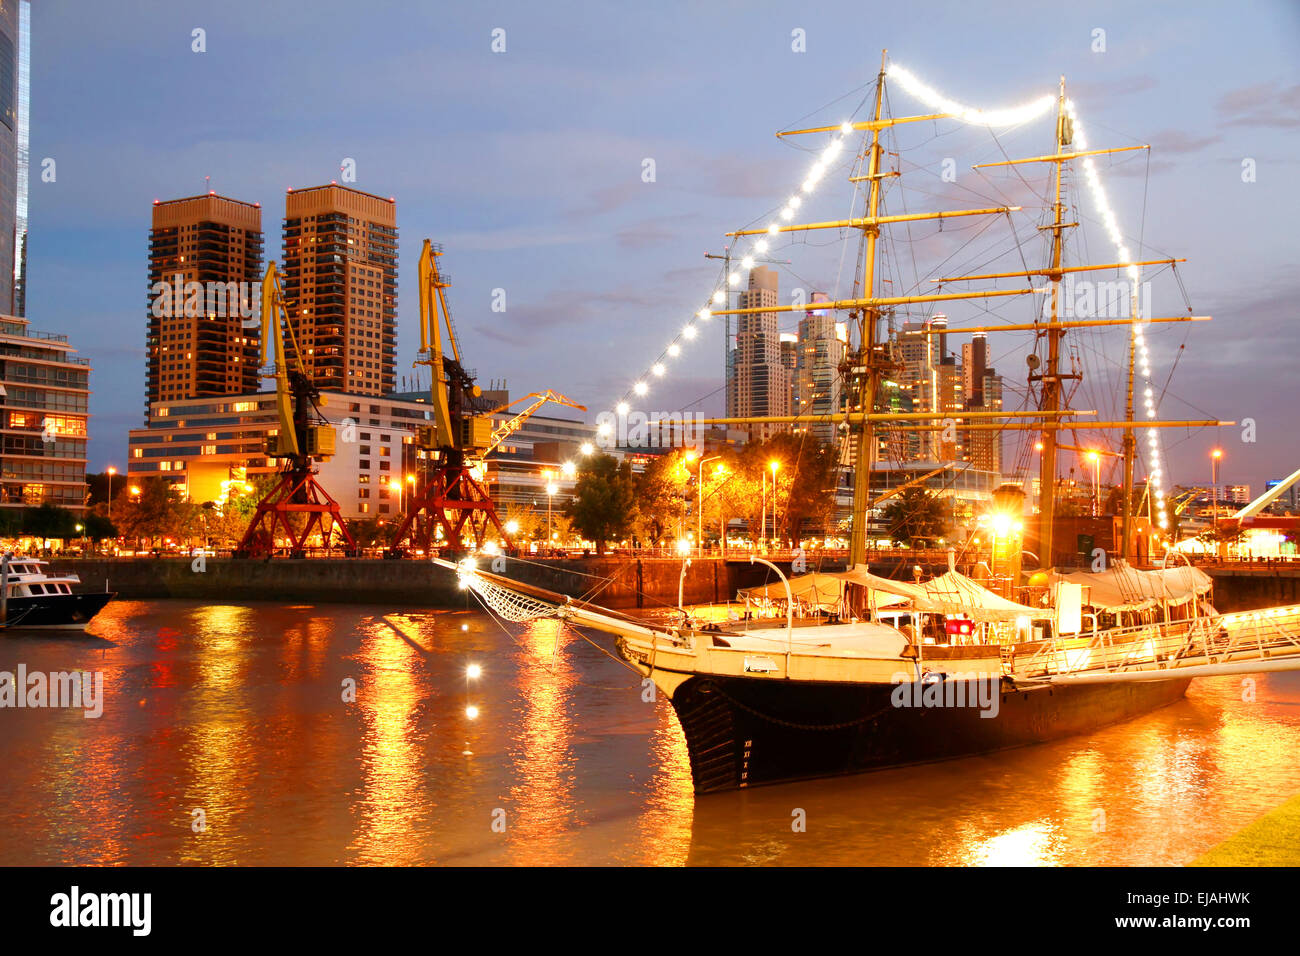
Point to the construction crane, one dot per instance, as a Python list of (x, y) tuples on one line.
[(897, 489), (452, 501), (303, 437), (1252, 516), (1186, 497), (512, 425)]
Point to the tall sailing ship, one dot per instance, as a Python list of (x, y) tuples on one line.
[(879, 673)]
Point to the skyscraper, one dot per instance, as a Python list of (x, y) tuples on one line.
[(205, 265), (760, 381), (340, 286), (983, 447), (15, 98), (46, 392), (817, 388)]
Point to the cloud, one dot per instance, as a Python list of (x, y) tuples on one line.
[(656, 231), (1261, 104), (1178, 141)]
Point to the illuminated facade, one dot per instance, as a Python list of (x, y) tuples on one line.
[(44, 399), (340, 280), (205, 264)]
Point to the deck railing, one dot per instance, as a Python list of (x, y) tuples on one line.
[(1166, 646)]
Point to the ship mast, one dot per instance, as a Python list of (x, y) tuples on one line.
[(865, 368), (1130, 439), (1051, 377), (865, 365)]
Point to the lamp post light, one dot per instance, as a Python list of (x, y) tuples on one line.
[(1215, 455), (688, 459), (1096, 482), (718, 472), (111, 472), (699, 507), (551, 489), (775, 466)]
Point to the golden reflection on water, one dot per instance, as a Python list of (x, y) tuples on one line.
[(542, 809), (238, 710), (664, 825), (392, 811), (218, 753)]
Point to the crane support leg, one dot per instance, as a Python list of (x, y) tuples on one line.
[(453, 502), (296, 493)]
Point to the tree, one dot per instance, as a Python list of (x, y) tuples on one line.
[(98, 527), (49, 521), (370, 531), (915, 514), (148, 515), (660, 496), (603, 500), (803, 493)]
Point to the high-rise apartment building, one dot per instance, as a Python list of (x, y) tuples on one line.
[(45, 392), (760, 381), (819, 352), (205, 265), (340, 286), (15, 98)]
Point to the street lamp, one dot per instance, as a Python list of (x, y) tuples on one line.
[(395, 485), (1096, 482), (718, 472), (111, 472), (775, 466), (1215, 455), (551, 489), (699, 508)]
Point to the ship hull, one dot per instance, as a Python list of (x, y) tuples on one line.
[(67, 612), (743, 731)]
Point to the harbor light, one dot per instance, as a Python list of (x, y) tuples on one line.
[(474, 672)]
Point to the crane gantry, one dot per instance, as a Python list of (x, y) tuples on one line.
[(452, 500), (302, 438)]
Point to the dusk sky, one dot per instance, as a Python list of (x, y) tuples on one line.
[(527, 166)]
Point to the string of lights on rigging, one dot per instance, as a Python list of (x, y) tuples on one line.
[(1012, 116)]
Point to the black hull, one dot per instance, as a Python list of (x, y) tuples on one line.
[(66, 611), (743, 732)]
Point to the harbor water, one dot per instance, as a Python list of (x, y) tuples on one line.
[(300, 734)]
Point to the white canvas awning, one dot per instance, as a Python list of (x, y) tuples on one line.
[(1122, 587), (820, 589), (951, 593)]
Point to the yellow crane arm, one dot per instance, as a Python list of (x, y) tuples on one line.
[(273, 312), (512, 425), (890, 492), (432, 287), (1186, 497)]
